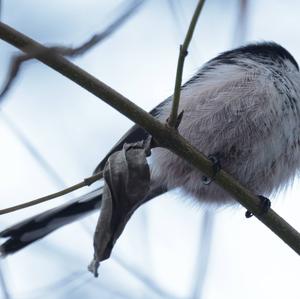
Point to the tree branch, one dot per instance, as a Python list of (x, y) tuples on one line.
[(85, 183), (164, 135), (183, 52)]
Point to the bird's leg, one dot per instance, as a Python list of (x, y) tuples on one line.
[(216, 165), (265, 206)]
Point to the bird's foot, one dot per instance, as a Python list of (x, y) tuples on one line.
[(215, 159), (265, 207)]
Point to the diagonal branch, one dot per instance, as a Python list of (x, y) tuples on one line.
[(183, 52), (164, 135)]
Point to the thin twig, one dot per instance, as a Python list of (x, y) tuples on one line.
[(14, 69), (203, 252), (32, 150), (31, 53), (241, 23), (86, 182), (99, 37), (183, 51), (143, 278), (3, 284), (165, 136), (176, 16)]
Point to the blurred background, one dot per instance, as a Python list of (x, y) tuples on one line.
[(53, 133)]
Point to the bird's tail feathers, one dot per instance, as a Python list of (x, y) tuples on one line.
[(38, 226)]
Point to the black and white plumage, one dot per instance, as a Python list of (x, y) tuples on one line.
[(244, 105)]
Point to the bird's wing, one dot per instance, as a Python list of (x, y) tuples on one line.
[(135, 134)]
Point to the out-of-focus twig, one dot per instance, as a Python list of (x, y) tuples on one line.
[(204, 252), (5, 292), (18, 60), (99, 37), (32, 150), (173, 5), (15, 65), (241, 25), (172, 121), (145, 279), (3, 285), (60, 284)]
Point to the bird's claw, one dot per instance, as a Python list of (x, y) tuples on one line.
[(265, 206), (216, 165)]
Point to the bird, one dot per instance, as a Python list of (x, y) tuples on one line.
[(242, 107)]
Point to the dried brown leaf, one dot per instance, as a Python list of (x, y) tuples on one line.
[(127, 181)]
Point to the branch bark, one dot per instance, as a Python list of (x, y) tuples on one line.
[(183, 52), (164, 135), (85, 183)]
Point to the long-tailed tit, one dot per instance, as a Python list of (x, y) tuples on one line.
[(243, 104)]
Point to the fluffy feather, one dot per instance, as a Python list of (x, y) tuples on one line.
[(246, 108)]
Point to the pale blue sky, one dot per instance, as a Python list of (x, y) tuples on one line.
[(73, 130)]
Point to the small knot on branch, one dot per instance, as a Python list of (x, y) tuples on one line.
[(184, 52)]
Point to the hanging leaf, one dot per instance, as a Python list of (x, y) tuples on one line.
[(127, 179)]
